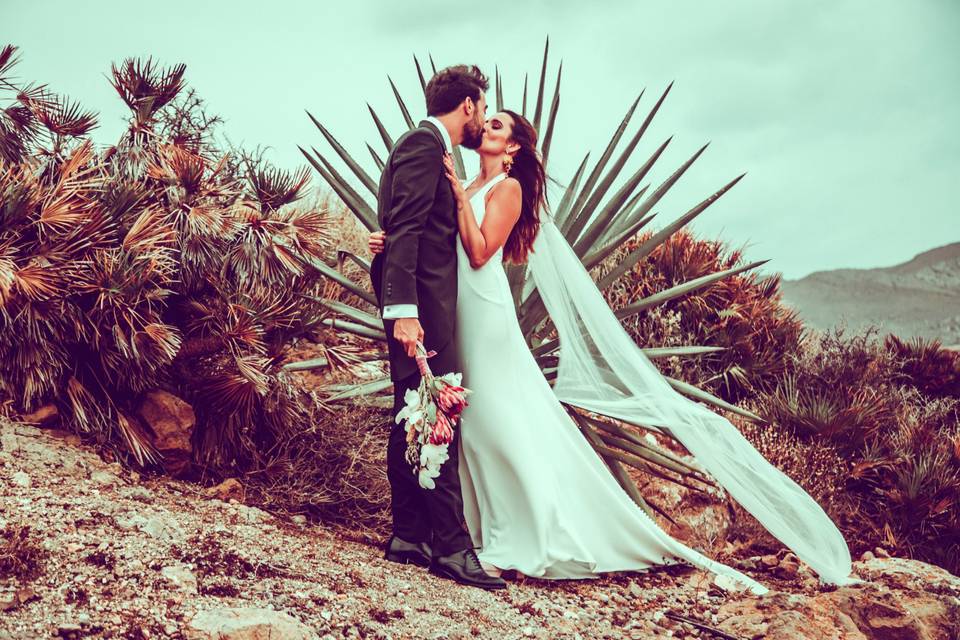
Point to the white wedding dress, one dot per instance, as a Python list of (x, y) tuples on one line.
[(536, 496)]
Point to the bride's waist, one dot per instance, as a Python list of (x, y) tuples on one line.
[(489, 282), (490, 272)]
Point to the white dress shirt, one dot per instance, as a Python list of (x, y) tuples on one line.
[(395, 311)]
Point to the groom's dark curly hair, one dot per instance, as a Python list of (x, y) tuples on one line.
[(448, 88)]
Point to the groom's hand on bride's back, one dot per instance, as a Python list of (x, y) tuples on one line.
[(408, 332), (376, 242)]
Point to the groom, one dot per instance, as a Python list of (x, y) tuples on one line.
[(415, 281)]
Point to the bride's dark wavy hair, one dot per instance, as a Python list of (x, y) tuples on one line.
[(528, 169)]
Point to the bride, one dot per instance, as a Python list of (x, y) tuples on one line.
[(537, 498)]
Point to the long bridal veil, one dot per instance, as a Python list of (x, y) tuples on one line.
[(601, 369)]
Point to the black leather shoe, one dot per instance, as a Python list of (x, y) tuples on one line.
[(399, 550), (464, 567)]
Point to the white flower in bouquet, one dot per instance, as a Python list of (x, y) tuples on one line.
[(431, 457), (414, 405)]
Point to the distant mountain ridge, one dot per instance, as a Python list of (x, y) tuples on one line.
[(920, 297)]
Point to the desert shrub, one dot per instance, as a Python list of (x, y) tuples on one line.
[(839, 388), (926, 365), (163, 261), (884, 407), (169, 261), (742, 313), (910, 481)]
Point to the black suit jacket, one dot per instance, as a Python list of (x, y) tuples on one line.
[(417, 209)]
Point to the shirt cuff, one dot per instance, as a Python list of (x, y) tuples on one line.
[(396, 311)]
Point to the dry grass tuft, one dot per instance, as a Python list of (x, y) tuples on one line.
[(334, 471), (21, 554)]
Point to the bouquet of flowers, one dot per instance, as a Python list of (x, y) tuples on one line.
[(431, 413)]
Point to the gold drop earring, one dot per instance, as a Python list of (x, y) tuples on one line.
[(507, 163)]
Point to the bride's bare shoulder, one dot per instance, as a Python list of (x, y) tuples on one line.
[(508, 189), (505, 199)]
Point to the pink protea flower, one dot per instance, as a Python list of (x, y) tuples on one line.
[(452, 399), (442, 432)]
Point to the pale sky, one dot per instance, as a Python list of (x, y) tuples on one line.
[(845, 114)]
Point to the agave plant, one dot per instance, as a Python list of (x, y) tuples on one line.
[(157, 263), (599, 211)]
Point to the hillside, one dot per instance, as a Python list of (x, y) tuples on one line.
[(91, 550), (920, 297)]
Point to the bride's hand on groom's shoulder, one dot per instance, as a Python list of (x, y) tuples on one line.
[(458, 190), (376, 242)]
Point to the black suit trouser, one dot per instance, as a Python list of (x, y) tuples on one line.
[(426, 515)]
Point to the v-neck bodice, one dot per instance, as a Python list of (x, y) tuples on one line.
[(478, 211)]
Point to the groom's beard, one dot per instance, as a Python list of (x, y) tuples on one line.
[(472, 135)]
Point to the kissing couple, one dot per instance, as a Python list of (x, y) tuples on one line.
[(522, 489)]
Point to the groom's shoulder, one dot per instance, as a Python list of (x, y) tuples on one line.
[(421, 135)]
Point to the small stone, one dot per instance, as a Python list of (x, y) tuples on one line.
[(43, 415), (181, 577), (11, 601), (140, 494), (172, 421), (69, 629), (728, 584), (770, 561), (880, 552), (246, 623), (229, 490), (21, 479), (299, 519), (253, 515), (163, 528), (868, 555), (789, 566), (104, 477)]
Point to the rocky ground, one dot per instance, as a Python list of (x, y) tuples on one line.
[(92, 550)]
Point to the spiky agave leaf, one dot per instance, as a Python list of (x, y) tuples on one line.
[(598, 215), (343, 189), (357, 170)]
